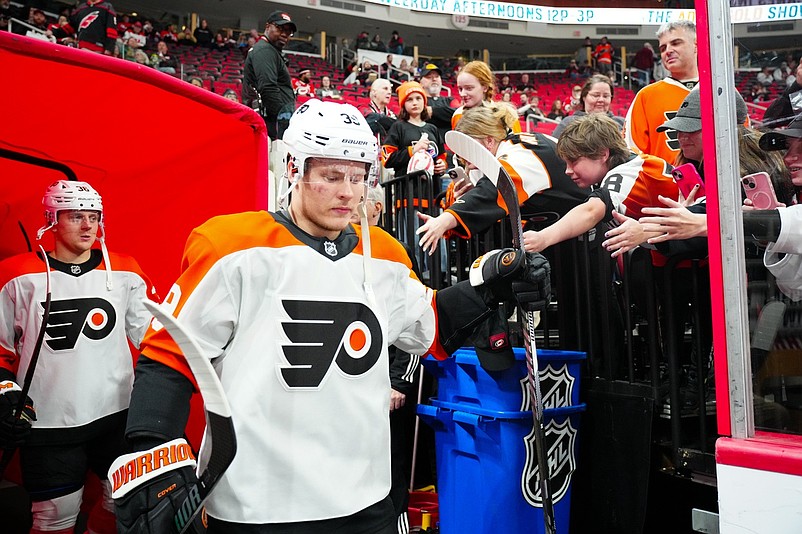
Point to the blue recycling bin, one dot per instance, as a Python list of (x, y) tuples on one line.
[(461, 379), (487, 475)]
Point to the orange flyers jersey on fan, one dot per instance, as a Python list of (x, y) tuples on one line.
[(654, 105)]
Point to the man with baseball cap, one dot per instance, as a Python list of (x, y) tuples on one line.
[(267, 74), (439, 107)]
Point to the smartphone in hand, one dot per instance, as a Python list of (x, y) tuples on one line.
[(686, 176), (760, 191)]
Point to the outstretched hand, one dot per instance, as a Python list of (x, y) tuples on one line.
[(433, 229), (626, 236), (672, 222)]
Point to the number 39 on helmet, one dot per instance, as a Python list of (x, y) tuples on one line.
[(329, 130)]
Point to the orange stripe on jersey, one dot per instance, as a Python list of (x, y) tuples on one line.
[(653, 179), (20, 265), (461, 229), (517, 181), (387, 151), (436, 348), (383, 246)]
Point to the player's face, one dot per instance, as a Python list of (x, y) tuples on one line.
[(414, 104), (327, 195), (585, 171), (793, 160), (678, 52), (470, 90), (75, 233), (598, 98), (690, 143)]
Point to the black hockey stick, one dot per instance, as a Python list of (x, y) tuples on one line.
[(8, 454), (470, 149), (222, 440)]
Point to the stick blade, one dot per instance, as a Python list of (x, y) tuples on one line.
[(220, 432), (212, 390), (473, 151)]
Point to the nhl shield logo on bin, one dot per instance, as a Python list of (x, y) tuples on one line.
[(557, 387), (561, 440)]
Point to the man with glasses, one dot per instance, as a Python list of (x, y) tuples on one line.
[(267, 74), (297, 309), (82, 379)]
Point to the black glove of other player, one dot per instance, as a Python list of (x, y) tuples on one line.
[(508, 274), (532, 288), (155, 491), (13, 432)]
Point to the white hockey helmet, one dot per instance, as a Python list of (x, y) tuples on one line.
[(329, 130), (73, 195), (68, 195)]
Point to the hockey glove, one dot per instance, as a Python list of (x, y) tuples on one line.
[(13, 432), (510, 275), (494, 273), (532, 288), (155, 491)]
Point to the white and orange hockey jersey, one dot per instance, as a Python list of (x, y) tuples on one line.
[(85, 369), (301, 349), (635, 185), (652, 106), (544, 191)]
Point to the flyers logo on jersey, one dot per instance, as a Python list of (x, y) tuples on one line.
[(93, 317), (347, 334), (88, 20), (672, 136)]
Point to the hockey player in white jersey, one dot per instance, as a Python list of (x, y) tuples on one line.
[(296, 310), (82, 382)]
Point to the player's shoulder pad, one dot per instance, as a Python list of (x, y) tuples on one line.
[(384, 246), (20, 265), (238, 231)]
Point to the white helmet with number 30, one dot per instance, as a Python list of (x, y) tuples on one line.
[(73, 195), (328, 130), (68, 195)]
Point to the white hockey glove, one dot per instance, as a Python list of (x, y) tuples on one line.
[(13, 432), (155, 490)]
